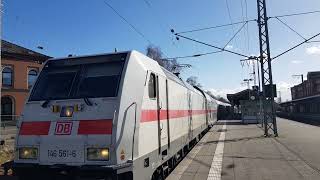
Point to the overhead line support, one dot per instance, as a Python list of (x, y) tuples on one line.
[(268, 109)]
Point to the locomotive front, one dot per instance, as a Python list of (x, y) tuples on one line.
[(67, 126)]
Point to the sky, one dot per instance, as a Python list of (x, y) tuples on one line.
[(83, 27)]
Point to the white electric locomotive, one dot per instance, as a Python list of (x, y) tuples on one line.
[(118, 116)]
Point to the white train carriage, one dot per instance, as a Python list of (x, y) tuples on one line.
[(109, 116)]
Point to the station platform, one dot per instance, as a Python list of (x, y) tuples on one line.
[(235, 151)]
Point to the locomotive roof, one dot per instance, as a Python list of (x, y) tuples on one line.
[(167, 73), (93, 55), (176, 79)]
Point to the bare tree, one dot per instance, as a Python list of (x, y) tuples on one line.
[(172, 65), (156, 54), (193, 80)]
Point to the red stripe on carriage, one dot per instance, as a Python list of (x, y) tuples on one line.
[(35, 128), (103, 126), (152, 115)]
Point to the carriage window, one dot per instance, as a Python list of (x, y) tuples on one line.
[(152, 86)]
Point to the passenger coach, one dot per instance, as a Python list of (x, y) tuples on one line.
[(115, 116)]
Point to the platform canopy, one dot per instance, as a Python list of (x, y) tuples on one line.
[(242, 95)]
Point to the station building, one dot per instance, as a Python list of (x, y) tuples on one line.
[(305, 103), (308, 88), (20, 67)]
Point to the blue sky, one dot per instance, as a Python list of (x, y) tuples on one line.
[(88, 27)]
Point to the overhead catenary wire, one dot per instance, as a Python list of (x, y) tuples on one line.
[(178, 34), (231, 21), (313, 42), (235, 35), (243, 18), (251, 20), (305, 39), (147, 3), (194, 55), (230, 24), (214, 27), (242, 10), (294, 47), (247, 28), (285, 24), (130, 24), (164, 26), (127, 22), (295, 14), (210, 45), (156, 17)]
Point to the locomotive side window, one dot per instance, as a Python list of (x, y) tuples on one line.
[(152, 86)]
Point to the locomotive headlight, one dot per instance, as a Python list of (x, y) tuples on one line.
[(66, 111), (28, 153), (98, 154), (55, 108)]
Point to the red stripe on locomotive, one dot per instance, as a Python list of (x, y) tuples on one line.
[(95, 127), (35, 128), (151, 115)]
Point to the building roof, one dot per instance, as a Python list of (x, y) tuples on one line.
[(242, 95), (9, 49), (303, 100), (313, 74)]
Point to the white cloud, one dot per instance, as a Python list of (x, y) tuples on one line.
[(224, 92), (313, 50), (283, 85), (229, 47), (285, 91), (296, 62)]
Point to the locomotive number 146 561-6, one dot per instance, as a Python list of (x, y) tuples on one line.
[(62, 153)]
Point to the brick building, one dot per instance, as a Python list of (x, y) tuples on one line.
[(305, 103), (310, 87), (19, 67)]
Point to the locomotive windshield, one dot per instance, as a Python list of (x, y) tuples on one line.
[(91, 80)]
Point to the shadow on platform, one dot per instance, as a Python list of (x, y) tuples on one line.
[(235, 140), (229, 122)]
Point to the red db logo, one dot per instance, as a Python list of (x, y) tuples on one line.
[(63, 128)]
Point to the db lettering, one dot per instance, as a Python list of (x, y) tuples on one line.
[(63, 128)]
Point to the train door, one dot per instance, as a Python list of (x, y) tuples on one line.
[(206, 105), (158, 86), (167, 112), (163, 114), (189, 115)]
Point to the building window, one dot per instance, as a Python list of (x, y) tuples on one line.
[(32, 76), (152, 86), (7, 79), (7, 108)]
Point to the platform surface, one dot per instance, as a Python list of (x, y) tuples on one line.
[(240, 152)]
